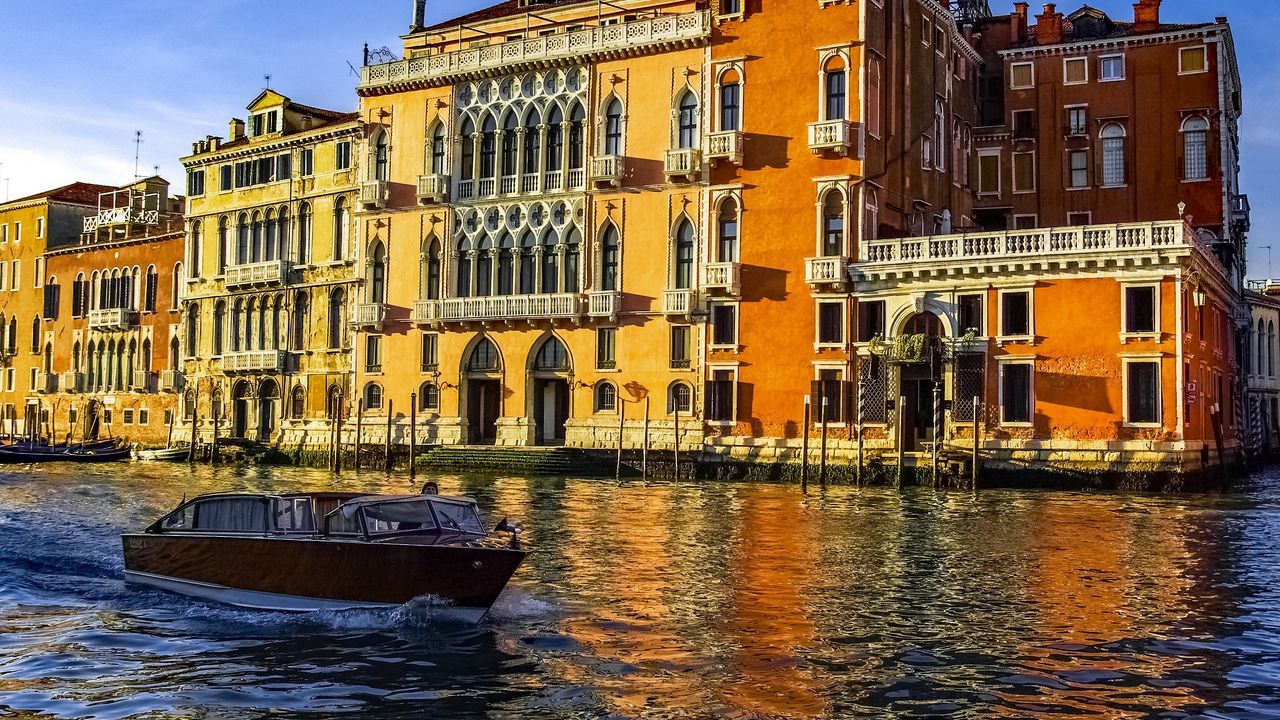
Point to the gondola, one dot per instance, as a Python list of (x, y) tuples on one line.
[(98, 452)]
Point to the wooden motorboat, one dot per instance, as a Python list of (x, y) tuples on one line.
[(319, 551), (173, 454)]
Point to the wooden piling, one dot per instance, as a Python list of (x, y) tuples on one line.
[(974, 461), (822, 474), (804, 447), (337, 459), (359, 432), (676, 444), (622, 425), (644, 451), (413, 433), (390, 407)]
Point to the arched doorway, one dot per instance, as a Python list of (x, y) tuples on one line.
[(240, 409), (552, 367), (483, 373), (268, 401), (92, 420), (921, 374)]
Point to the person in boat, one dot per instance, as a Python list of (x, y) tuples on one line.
[(431, 488)]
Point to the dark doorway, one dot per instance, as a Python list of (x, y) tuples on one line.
[(550, 410), (92, 421), (484, 405), (918, 380), (240, 410), (268, 400)]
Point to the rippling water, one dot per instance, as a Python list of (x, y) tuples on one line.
[(677, 601)]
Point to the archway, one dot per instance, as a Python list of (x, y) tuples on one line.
[(921, 375), (240, 409), (268, 401), (92, 420), (483, 377), (551, 368)]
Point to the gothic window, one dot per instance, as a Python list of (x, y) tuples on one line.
[(378, 274), (613, 128), (510, 141), (609, 257), (464, 268), (1195, 146), (727, 231), (687, 121), (833, 224), (304, 234), (684, 244)]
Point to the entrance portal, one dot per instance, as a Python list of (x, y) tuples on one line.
[(240, 410), (268, 399), (918, 380), (484, 404), (551, 410)]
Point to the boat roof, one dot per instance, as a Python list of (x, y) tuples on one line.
[(353, 498), (376, 499)]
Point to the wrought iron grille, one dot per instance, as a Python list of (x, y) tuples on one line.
[(970, 382), (873, 390)]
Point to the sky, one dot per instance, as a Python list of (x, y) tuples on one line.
[(79, 77)]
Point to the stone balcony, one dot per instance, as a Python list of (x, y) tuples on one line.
[(661, 33), (1068, 248), (426, 312), (433, 189), (142, 381), (111, 319), (259, 274), (72, 382), (46, 382), (725, 145), (271, 361), (512, 307), (683, 163), (602, 304), (823, 272), (489, 188), (722, 278), (835, 136), (677, 302), (606, 171), (374, 194), (172, 381), (369, 316)]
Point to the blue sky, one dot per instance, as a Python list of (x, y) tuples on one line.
[(78, 77)]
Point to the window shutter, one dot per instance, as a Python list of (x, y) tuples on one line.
[(153, 282)]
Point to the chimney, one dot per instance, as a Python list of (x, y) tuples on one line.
[(1019, 21), (1146, 16), (235, 130), (213, 142), (1049, 26), (419, 16)]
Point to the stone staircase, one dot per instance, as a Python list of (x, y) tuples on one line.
[(531, 461)]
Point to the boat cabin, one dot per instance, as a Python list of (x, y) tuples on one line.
[(346, 515)]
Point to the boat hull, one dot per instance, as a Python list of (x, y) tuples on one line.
[(307, 574)]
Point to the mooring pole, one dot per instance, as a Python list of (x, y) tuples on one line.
[(677, 442), (937, 428), (216, 418), (359, 431), (974, 470), (413, 433), (332, 405), (195, 418), (902, 436), (858, 410), (822, 475), (622, 426), (804, 447), (337, 458), (168, 443), (390, 406), (644, 451)]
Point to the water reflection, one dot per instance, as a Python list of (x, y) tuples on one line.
[(677, 600)]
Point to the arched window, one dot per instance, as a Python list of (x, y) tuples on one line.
[(76, 361), (555, 140), (219, 330), (488, 147), (464, 268), (337, 319), (872, 206), (272, 237), (552, 356), (510, 142), (341, 228), (304, 234), (683, 279), (242, 239), (484, 358), (730, 101), (609, 255), (606, 397), (35, 334), (188, 406), (506, 269), (373, 396), (679, 398), (431, 275), (833, 224), (47, 364), (237, 326), (835, 89), (484, 267), (152, 289), (1271, 348), (572, 260), (379, 156), (333, 402), (258, 238), (144, 360), (191, 334), (175, 292), (613, 128), (532, 150), (298, 403), (727, 231), (428, 396), (281, 247), (1262, 346), (1195, 148), (174, 354), (577, 138), (468, 150), (250, 324), (1113, 155), (224, 225), (195, 249), (528, 265), (550, 263), (687, 121), (301, 320), (437, 149), (940, 136), (378, 274)]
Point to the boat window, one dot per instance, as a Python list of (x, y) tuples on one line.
[(180, 519), (339, 522), (459, 518), (237, 514), (294, 515), (398, 517)]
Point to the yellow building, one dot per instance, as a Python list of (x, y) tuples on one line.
[(28, 226), (270, 272)]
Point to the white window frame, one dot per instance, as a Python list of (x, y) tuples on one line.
[(1182, 68), (1125, 335), (1029, 338), (997, 153), (1131, 358), (1013, 73), (4, 233), (38, 280), (842, 368), (926, 30), (1082, 60), (1087, 213), (825, 55), (1084, 129), (1013, 173), (737, 326), (1070, 171), (1124, 69), (39, 228), (1001, 364), (817, 322), (17, 232), (712, 369), (1035, 220), (15, 277)]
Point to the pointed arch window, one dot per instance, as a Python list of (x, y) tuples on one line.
[(298, 403), (437, 150), (553, 356), (35, 334), (464, 268), (510, 141), (301, 320), (488, 147), (550, 263), (196, 249), (532, 140), (577, 138), (506, 270), (613, 128), (272, 237), (731, 104), (833, 224), (223, 239), (152, 289), (259, 231), (484, 358), (484, 267), (609, 256), (528, 265), (572, 260), (555, 140), (381, 165), (727, 231), (684, 243), (341, 228), (431, 290), (378, 274), (468, 150), (337, 319), (687, 119), (242, 239), (303, 254), (219, 331)]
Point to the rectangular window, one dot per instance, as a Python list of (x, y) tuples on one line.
[(1192, 60), (926, 30), (731, 7), (40, 226), (720, 396), (128, 416), (373, 354), (835, 94), (988, 172), (1016, 403), (1015, 314), (195, 183), (870, 320), (1024, 172), (1080, 219), (107, 416), (342, 160), (830, 397), (724, 325), (11, 377), (730, 106), (1077, 168), (831, 323), (4, 233), (606, 349), (17, 232), (1077, 121), (16, 281), (225, 176), (1140, 309), (971, 315), (679, 347), (1111, 68), (926, 152), (1143, 392), (284, 166), (307, 162), (1024, 124), (1022, 76), (1025, 222), (1075, 71), (430, 352), (144, 416)]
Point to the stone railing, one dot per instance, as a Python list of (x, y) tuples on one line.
[(725, 145), (683, 162), (723, 277), (606, 170), (578, 46), (677, 302), (832, 135), (272, 272), (503, 307), (1028, 244), (426, 312), (374, 194), (433, 188), (369, 315), (825, 270), (254, 361), (172, 381), (142, 381), (602, 304), (112, 319), (72, 382), (46, 382)]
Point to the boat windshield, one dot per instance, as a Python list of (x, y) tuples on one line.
[(221, 514), (294, 515), (399, 516), (458, 517)]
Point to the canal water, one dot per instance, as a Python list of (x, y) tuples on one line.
[(677, 601)]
